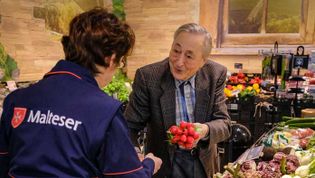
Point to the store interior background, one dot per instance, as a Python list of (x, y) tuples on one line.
[(36, 48)]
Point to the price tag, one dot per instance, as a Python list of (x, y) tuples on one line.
[(11, 85), (250, 154), (233, 106), (255, 153)]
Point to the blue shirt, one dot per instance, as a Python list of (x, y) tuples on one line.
[(65, 126), (185, 102)]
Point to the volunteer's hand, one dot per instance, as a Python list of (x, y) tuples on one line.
[(157, 162), (139, 153), (140, 156)]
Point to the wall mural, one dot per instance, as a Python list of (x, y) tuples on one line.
[(8, 66), (58, 14)]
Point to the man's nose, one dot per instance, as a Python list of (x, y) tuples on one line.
[(180, 60)]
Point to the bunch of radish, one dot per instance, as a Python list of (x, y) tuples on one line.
[(184, 135)]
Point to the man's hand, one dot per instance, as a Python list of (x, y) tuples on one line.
[(203, 131), (157, 162)]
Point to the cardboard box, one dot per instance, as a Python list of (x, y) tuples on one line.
[(308, 112)]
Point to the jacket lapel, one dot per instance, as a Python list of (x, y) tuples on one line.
[(167, 101), (202, 98)]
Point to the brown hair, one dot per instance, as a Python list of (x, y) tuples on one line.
[(94, 35)]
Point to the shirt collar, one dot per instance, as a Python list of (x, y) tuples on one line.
[(64, 66), (191, 80)]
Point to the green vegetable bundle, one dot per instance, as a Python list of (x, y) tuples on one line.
[(119, 87), (297, 122), (306, 170)]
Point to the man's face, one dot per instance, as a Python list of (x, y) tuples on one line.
[(185, 57)]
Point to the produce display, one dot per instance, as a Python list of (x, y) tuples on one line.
[(119, 87), (241, 91), (239, 85), (183, 135), (237, 78), (288, 152), (241, 78)]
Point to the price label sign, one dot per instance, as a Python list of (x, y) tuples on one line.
[(250, 154), (11, 85)]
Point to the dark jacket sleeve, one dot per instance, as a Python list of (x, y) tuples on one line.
[(138, 109), (118, 157), (4, 138)]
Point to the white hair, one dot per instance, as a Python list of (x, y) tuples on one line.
[(197, 29)]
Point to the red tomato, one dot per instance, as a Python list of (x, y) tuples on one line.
[(303, 143), (309, 131), (303, 133), (240, 75), (229, 87)]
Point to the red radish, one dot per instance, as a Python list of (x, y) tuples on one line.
[(184, 135), (179, 131), (185, 132), (190, 139), (183, 125), (183, 138), (189, 145), (196, 135), (188, 125), (191, 131), (174, 130), (173, 140)]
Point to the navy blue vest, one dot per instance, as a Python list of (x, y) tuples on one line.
[(65, 126)]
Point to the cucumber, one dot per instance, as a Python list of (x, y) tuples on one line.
[(303, 125), (286, 118), (300, 120)]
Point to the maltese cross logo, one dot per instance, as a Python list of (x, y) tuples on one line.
[(18, 117)]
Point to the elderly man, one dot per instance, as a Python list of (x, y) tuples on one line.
[(186, 86)]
